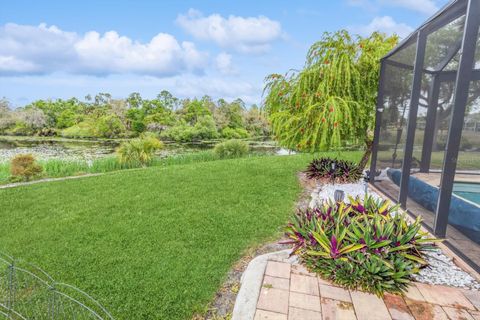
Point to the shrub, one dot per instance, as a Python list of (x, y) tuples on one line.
[(109, 126), (465, 144), (333, 170), (231, 149), (47, 132), (23, 167), (181, 133), (238, 133), (138, 126), (363, 245), (84, 129), (139, 151), (67, 118), (21, 129), (204, 129)]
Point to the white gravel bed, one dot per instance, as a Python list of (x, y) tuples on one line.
[(323, 192), (441, 270)]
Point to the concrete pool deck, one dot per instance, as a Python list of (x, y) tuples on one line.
[(433, 178)]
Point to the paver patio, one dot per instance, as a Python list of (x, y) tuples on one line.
[(290, 292)]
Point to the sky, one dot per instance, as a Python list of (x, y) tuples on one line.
[(225, 49)]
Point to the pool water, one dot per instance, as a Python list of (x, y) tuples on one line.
[(467, 190)]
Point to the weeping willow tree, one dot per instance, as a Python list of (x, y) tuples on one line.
[(329, 104)]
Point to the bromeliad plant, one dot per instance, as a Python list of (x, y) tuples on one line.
[(363, 245), (333, 170)]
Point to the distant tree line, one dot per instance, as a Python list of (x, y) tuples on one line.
[(102, 116)]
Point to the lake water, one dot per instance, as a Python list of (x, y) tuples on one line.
[(66, 149)]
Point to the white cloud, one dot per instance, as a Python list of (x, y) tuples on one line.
[(34, 49), (13, 64), (385, 24), (224, 64), (248, 35), (26, 49)]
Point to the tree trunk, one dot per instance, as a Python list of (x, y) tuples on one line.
[(366, 155)]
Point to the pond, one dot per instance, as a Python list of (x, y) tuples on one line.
[(74, 149)]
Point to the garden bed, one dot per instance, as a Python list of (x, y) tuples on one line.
[(441, 270)]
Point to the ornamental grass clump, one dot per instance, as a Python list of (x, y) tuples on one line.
[(363, 245), (328, 170), (231, 149), (139, 151)]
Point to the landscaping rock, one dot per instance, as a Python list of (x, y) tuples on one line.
[(443, 271), (324, 192)]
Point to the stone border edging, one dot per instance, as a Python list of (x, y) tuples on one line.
[(19, 184), (251, 284)]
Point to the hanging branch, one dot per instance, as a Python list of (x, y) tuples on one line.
[(331, 102)]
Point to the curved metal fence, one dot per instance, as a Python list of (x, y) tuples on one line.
[(28, 292)]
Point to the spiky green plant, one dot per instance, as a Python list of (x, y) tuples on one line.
[(331, 102), (366, 244), (139, 151), (231, 149), (333, 171)]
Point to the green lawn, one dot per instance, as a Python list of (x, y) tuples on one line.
[(152, 243), (467, 160)]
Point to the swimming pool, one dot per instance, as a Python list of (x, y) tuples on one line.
[(467, 190), (464, 211)]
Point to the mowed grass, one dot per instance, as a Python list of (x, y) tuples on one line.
[(152, 243), (467, 160)]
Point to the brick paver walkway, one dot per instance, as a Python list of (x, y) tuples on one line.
[(290, 292)]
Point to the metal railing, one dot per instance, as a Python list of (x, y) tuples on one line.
[(28, 292)]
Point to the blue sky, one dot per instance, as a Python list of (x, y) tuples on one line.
[(60, 49)]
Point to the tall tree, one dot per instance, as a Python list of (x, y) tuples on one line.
[(168, 100), (331, 102)]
